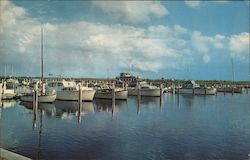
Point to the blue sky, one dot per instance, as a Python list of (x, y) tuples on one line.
[(152, 39)]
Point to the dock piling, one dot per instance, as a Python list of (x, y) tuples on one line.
[(113, 100), (173, 87), (139, 91), (161, 95), (35, 106), (80, 103)]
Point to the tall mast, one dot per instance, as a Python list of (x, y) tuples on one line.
[(42, 52), (233, 69)]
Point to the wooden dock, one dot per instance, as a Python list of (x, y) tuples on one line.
[(8, 155)]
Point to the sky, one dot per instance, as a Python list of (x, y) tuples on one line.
[(204, 40)]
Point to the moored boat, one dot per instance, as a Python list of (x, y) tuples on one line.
[(190, 87), (145, 90), (106, 93), (68, 90)]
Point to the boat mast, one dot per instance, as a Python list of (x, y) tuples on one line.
[(42, 53), (233, 70), (42, 81)]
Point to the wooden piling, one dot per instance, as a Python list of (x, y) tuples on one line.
[(192, 91), (139, 91), (35, 106), (80, 103), (1, 89), (113, 100), (161, 97), (173, 87)]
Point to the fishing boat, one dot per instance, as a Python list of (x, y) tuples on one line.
[(144, 89), (190, 87), (68, 90), (43, 96), (230, 89), (106, 93), (8, 90)]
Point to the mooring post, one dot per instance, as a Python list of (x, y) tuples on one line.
[(178, 92), (138, 90), (79, 103), (1, 89), (113, 100), (35, 106), (205, 87), (192, 91), (113, 93), (161, 95), (80, 95), (173, 88)]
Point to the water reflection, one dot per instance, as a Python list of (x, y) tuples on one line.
[(62, 109), (188, 101), (103, 105), (7, 103), (69, 109)]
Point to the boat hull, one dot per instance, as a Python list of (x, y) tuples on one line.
[(121, 95), (41, 99), (230, 90), (87, 95), (197, 91), (8, 94), (145, 92)]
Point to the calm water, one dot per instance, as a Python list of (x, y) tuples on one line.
[(212, 127)]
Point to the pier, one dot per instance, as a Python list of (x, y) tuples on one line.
[(8, 155)]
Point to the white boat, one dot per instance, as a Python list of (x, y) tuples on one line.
[(145, 90), (43, 96), (8, 90), (68, 90), (190, 87), (120, 94)]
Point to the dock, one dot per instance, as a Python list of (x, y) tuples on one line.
[(8, 155)]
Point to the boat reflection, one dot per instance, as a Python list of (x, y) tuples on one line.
[(48, 108), (151, 101), (7, 103), (69, 109), (63, 109), (106, 105)]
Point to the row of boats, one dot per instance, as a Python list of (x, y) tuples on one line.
[(69, 90)]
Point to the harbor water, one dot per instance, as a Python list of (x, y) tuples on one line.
[(177, 127)]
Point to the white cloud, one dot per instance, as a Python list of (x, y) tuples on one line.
[(132, 11), (179, 29), (239, 45), (90, 48), (203, 44), (193, 4), (9, 14)]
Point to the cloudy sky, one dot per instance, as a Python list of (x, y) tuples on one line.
[(153, 39)]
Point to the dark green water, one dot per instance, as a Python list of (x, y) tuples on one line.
[(199, 127)]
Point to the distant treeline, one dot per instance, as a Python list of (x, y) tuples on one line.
[(153, 81)]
